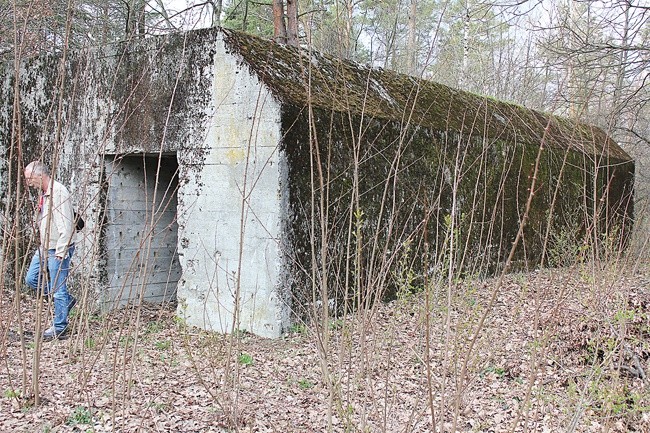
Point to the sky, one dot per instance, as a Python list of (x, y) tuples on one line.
[(198, 17)]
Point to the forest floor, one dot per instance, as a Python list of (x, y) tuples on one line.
[(559, 350)]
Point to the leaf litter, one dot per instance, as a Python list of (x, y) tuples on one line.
[(561, 350)]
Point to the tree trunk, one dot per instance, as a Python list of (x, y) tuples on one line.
[(622, 68), (411, 49), (105, 24), (217, 7), (135, 22), (128, 28), (292, 22), (279, 27), (141, 22), (465, 64), (349, 8)]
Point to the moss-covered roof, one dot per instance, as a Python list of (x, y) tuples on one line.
[(297, 76)]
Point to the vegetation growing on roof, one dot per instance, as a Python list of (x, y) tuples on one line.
[(299, 76), (433, 165)]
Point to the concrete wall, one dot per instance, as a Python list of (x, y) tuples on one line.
[(184, 96), (230, 232)]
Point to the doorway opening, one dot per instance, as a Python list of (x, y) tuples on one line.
[(141, 230)]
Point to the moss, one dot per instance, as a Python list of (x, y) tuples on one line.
[(414, 132), (406, 177), (299, 77)]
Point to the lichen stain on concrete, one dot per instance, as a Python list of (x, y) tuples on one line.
[(235, 156)]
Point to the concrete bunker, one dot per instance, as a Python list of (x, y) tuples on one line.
[(141, 229), (239, 121)]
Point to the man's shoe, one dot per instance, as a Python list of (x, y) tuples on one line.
[(73, 302), (51, 334)]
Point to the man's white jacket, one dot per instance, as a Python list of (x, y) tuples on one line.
[(56, 219)]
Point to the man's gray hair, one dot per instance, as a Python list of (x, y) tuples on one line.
[(37, 167)]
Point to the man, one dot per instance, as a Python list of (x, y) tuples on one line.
[(55, 221)]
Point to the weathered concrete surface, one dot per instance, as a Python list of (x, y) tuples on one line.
[(286, 176), (232, 263), (210, 238)]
